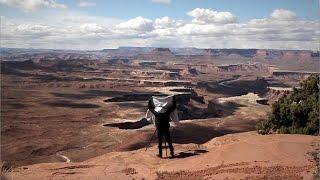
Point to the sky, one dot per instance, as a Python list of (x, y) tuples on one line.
[(101, 24)]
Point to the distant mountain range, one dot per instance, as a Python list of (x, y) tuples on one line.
[(247, 53), (156, 53)]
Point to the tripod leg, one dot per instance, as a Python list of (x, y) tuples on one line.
[(165, 145), (151, 139)]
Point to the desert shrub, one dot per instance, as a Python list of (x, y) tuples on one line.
[(5, 169), (295, 113), (263, 127), (236, 76)]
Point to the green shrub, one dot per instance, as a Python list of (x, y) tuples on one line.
[(295, 113)]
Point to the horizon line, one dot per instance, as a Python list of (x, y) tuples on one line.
[(31, 48)]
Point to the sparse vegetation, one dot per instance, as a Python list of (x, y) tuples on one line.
[(5, 168), (295, 113), (236, 76), (316, 158)]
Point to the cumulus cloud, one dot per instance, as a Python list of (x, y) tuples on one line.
[(91, 28), (162, 1), (204, 16), (281, 30), (29, 5), (165, 22), (34, 30), (207, 30), (165, 32), (137, 24), (82, 3), (284, 15)]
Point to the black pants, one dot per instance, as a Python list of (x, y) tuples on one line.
[(164, 132)]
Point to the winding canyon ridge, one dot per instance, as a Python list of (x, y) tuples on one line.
[(80, 114)]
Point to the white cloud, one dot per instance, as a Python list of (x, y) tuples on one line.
[(281, 30), (91, 28), (206, 30), (162, 1), (165, 32), (82, 3), (34, 30), (164, 22), (77, 30), (30, 5), (204, 16), (137, 24), (284, 15)]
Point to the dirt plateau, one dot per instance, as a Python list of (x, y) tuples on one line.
[(235, 156)]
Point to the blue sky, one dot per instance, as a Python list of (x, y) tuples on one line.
[(243, 9), (291, 24)]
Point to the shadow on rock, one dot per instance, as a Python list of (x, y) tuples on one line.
[(89, 94), (189, 153), (129, 125), (68, 104), (213, 110), (187, 133), (190, 133)]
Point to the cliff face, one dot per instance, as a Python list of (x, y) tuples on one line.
[(262, 53), (273, 54), (244, 53), (226, 52), (161, 51), (157, 53)]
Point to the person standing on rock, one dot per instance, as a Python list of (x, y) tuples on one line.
[(160, 111)]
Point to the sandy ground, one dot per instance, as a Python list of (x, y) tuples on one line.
[(235, 156)]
